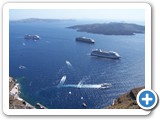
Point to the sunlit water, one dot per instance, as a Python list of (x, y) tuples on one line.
[(59, 71)]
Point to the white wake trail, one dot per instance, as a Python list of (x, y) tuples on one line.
[(63, 79), (68, 63)]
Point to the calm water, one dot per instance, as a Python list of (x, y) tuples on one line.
[(57, 54)]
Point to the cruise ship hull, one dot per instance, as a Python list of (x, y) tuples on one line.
[(105, 56), (86, 40)]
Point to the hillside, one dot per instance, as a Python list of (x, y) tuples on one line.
[(110, 28), (127, 100)]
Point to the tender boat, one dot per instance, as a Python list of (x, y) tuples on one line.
[(105, 85)]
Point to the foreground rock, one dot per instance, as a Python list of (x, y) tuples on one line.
[(15, 102), (126, 101)]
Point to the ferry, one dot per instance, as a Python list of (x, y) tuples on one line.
[(105, 54), (84, 39), (105, 85)]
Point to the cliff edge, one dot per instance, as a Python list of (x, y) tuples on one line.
[(127, 100)]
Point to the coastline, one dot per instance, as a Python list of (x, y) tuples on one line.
[(126, 100), (15, 101)]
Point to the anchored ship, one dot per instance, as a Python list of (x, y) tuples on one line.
[(84, 39), (105, 54), (31, 37)]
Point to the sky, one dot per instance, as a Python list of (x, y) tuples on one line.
[(86, 14)]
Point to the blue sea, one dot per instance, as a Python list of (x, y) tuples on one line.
[(46, 61)]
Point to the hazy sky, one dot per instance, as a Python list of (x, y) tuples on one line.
[(102, 14)]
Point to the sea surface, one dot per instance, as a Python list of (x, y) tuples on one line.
[(49, 70)]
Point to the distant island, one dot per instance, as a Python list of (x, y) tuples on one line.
[(30, 20), (111, 28)]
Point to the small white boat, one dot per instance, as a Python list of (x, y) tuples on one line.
[(84, 104), (22, 67), (105, 85)]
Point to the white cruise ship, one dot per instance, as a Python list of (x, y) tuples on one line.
[(105, 54), (84, 39)]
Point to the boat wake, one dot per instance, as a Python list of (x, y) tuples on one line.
[(81, 85), (69, 64), (96, 86), (63, 79)]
